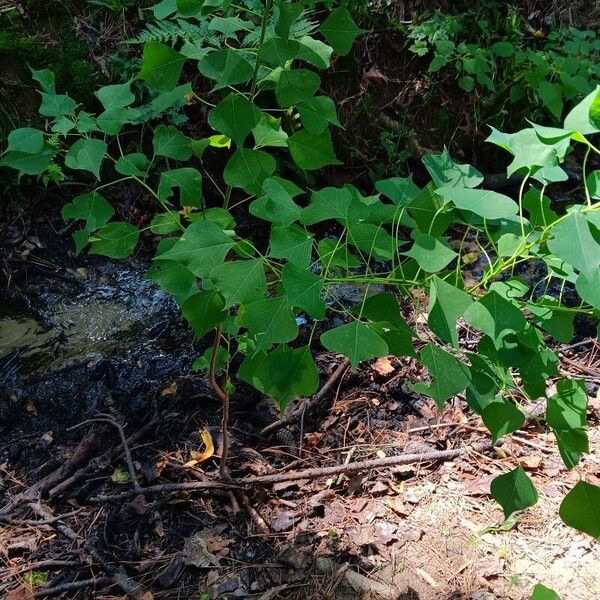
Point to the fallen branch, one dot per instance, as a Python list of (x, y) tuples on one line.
[(98, 462), (69, 587), (116, 575), (311, 404), (104, 418), (314, 473), (363, 465), (168, 488)]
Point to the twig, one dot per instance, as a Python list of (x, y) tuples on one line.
[(116, 574), (314, 473), (167, 488), (316, 399), (256, 518), (107, 457), (365, 465), (104, 418), (68, 587), (35, 522), (47, 564), (224, 397)]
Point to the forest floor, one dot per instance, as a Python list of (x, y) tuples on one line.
[(73, 524)]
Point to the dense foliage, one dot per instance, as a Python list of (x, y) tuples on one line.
[(269, 118)]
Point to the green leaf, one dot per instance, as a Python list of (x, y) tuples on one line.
[(513, 491), (557, 323), (446, 304), (340, 30), (204, 311), (303, 289), (448, 376), (56, 105), (288, 15), (276, 52), (170, 142), (115, 96), (373, 240), (541, 592), (189, 8), (333, 203), (538, 207), (578, 118), (446, 173), (292, 243), (201, 248), (268, 132), (573, 242), (115, 240), (333, 254), (283, 374), (495, 316), (400, 190), (315, 52), (594, 113), (132, 165), (30, 164), (161, 66), (172, 276), (593, 184), (502, 417), (503, 49), (226, 67), (551, 96), (277, 205), (26, 139), (270, 320), (202, 363), (294, 86), (431, 255), (164, 223), (357, 341), (241, 281), (112, 121), (189, 182), (485, 203), (87, 155), (580, 509), (588, 287), (234, 116), (312, 150), (566, 414), (383, 312), (317, 113), (247, 169), (92, 208), (46, 79)]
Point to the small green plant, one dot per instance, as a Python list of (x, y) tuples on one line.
[(266, 117), (116, 6), (510, 74)]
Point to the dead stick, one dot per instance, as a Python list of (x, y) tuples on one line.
[(365, 465), (108, 456), (167, 488), (103, 418), (316, 399), (224, 397), (116, 574), (68, 587)]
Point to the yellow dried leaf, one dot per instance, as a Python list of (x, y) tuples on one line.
[(209, 450)]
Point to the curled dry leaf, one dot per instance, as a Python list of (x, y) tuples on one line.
[(209, 450)]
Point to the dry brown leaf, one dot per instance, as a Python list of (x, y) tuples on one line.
[(383, 366), (532, 461), (374, 75), (209, 450), (169, 389), (23, 592), (30, 407)]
